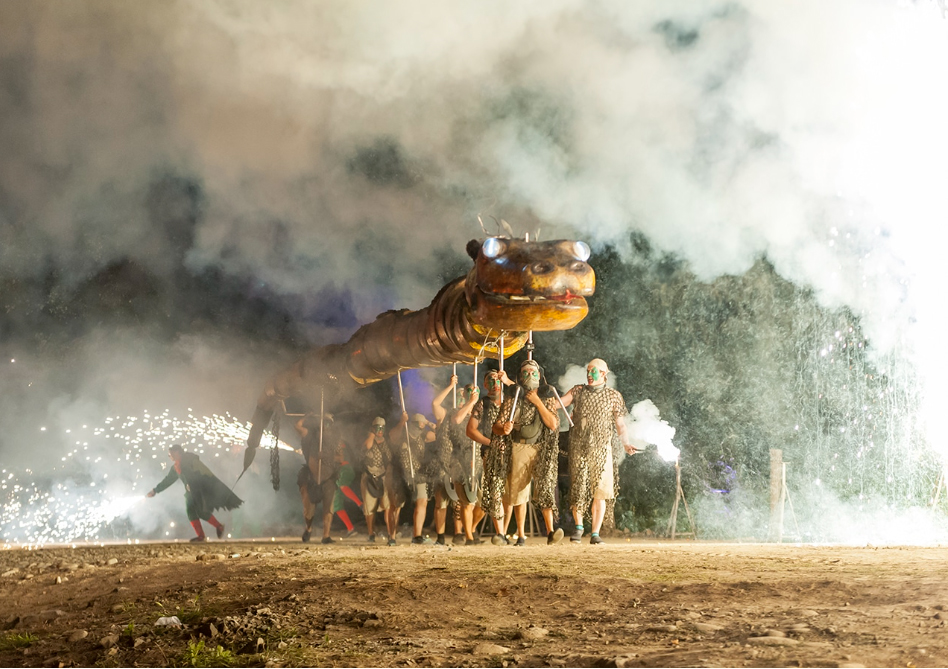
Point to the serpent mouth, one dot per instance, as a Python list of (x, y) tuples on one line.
[(566, 298), (527, 312)]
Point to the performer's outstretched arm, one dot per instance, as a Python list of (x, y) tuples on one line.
[(170, 478), (436, 408), (465, 411)]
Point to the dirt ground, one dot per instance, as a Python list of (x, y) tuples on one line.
[(625, 603)]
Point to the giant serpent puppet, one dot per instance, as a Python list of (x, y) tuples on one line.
[(515, 287)]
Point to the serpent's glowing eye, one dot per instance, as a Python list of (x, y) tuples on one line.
[(493, 247), (581, 251)]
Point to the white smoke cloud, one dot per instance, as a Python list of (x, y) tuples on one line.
[(814, 514), (720, 130), (811, 132), (644, 426)]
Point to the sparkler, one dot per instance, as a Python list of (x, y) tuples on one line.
[(78, 499)]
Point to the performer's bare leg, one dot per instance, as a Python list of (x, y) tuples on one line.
[(577, 534), (476, 515), (329, 491), (309, 505), (500, 527), (458, 519), (421, 506), (520, 513), (598, 513), (548, 519), (440, 514), (327, 523), (553, 534), (472, 514), (467, 520), (309, 510), (508, 516), (370, 523), (391, 521)]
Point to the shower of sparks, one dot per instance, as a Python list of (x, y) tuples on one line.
[(77, 500)]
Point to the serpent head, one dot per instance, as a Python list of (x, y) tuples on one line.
[(517, 285)]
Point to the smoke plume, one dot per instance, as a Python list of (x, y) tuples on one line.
[(191, 194)]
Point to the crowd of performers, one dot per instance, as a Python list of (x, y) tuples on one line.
[(490, 454)]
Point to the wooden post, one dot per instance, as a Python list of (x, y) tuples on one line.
[(673, 520), (777, 474)]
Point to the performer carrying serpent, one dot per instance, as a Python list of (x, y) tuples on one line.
[(514, 287)]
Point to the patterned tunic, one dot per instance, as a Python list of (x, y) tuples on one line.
[(595, 409), (497, 460), (545, 466), (311, 451), (440, 461), (378, 458), (453, 451), (376, 461), (417, 461)]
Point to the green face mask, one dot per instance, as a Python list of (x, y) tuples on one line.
[(530, 378), (593, 375)]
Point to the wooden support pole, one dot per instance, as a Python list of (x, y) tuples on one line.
[(777, 474)]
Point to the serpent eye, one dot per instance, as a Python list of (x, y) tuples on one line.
[(581, 251), (494, 247)]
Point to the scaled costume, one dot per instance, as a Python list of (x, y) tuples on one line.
[(496, 460), (312, 454), (204, 492), (325, 491), (456, 453), (322, 463), (594, 445), (418, 485), (377, 461), (442, 467), (533, 448)]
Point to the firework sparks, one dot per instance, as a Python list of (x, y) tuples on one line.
[(77, 500)]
